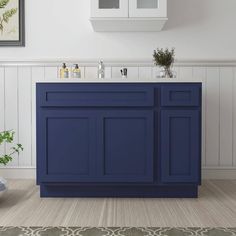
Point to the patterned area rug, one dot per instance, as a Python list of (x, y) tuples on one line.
[(71, 231)]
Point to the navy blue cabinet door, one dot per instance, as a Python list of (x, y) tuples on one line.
[(66, 146), (180, 146), (126, 146)]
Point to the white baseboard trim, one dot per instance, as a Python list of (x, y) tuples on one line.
[(219, 173), (30, 172), (18, 172)]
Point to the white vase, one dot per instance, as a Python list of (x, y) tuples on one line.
[(3, 186)]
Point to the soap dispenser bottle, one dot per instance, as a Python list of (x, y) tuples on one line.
[(64, 72), (101, 70), (76, 72)]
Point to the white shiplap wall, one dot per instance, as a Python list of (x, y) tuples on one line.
[(17, 108)]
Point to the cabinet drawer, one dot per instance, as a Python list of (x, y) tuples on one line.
[(180, 95), (67, 95)]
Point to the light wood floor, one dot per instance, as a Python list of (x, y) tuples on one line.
[(216, 207)]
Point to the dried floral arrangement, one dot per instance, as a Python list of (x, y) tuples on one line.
[(164, 58)]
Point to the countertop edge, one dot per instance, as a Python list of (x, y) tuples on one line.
[(119, 80)]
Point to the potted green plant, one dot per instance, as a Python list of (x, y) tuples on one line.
[(164, 58), (7, 137)]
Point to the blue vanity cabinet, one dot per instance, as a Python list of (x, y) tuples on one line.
[(118, 139)]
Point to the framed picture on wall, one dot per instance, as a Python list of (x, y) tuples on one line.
[(12, 23)]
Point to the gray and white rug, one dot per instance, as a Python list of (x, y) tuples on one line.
[(126, 231)]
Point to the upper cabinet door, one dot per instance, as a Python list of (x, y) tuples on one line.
[(109, 8), (148, 8)]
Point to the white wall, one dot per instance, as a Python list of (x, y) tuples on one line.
[(198, 29)]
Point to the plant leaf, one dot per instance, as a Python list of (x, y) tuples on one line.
[(8, 14), (3, 3), (8, 137), (163, 57)]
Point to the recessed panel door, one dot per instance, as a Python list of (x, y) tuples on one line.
[(126, 146), (66, 146), (180, 146)]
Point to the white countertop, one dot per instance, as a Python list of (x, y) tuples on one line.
[(121, 80)]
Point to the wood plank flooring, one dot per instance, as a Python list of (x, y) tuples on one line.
[(215, 207)]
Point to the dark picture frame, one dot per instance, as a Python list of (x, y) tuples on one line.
[(21, 41)]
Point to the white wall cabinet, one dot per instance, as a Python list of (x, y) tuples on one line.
[(128, 15)]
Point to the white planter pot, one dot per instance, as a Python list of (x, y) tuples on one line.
[(3, 186)]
